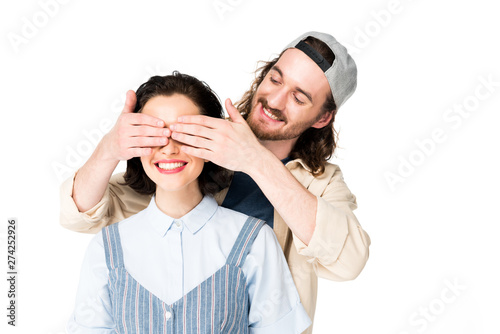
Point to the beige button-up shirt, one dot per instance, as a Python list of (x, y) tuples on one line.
[(338, 249)]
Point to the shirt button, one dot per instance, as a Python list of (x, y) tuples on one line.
[(177, 223), (168, 315)]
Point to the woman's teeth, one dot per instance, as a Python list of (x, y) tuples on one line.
[(170, 165)]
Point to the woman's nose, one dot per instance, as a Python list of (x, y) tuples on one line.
[(172, 147)]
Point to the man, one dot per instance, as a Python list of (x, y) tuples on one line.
[(278, 144)]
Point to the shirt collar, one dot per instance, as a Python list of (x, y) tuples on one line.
[(291, 164), (194, 220)]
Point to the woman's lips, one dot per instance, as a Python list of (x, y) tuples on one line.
[(170, 166)]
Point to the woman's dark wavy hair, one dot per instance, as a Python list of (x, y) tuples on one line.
[(213, 178), (314, 146)]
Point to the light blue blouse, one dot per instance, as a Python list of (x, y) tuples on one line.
[(169, 257)]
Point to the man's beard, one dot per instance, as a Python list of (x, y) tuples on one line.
[(292, 132)]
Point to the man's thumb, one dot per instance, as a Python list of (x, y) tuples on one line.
[(233, 113), (130, 102)]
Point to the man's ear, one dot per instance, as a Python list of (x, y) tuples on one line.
[(324, 120)]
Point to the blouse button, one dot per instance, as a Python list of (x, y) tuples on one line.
[(168, 315)]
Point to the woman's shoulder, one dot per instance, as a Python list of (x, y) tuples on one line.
[(133, 220), (235, 221), (229, 216), (232, 214)]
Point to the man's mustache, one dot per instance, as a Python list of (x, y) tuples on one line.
[(276, 112)]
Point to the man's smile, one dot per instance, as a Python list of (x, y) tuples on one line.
[(270, 115)]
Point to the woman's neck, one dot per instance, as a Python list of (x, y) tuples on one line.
[(176, 204)]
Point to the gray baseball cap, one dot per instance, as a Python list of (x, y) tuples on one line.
[(341, 75)]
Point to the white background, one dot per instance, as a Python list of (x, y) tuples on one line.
[(435, 227)]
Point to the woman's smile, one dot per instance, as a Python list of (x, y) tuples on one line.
[(170, 166)]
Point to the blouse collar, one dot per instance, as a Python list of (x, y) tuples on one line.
[(194, 220)]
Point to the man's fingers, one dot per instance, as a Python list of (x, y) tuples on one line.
[(131, 147), (139, 152), (209, 122), (194, 130), (198, 152), (146, 141), (143, 119), (194, 141), (130, 101), (147, 131)]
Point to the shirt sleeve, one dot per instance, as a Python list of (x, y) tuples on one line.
[(339, 247), (274, 301), (92, 312), (119, 202)]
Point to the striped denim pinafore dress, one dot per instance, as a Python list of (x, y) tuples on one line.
[(218, 305)]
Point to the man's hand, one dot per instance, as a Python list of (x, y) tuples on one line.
[(134, 133), (231, 145), (132, 136)]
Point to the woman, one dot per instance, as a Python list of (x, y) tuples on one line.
[(184, 264)]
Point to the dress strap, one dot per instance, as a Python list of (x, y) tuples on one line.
[(112, 246), (244, 241)]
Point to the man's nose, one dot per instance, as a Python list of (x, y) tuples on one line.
[(277, 98)]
